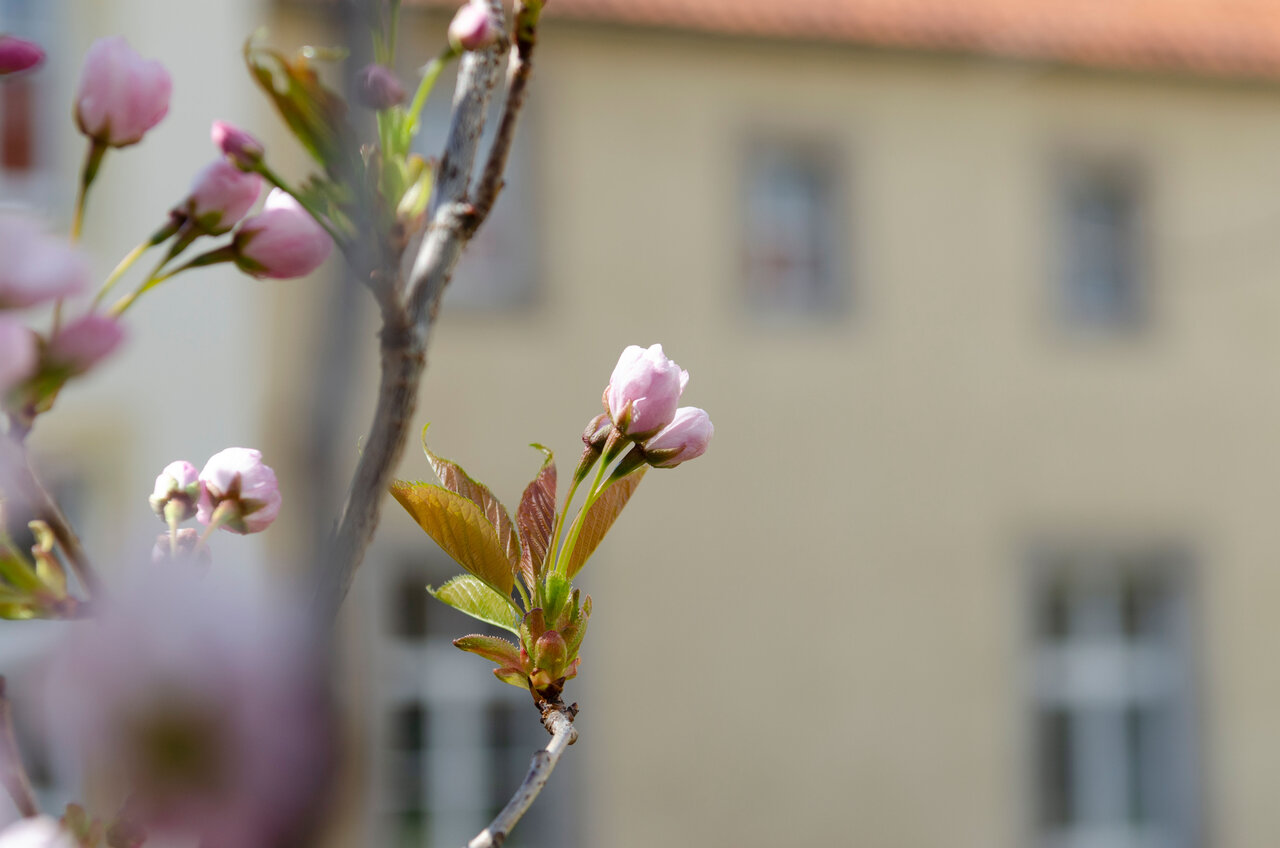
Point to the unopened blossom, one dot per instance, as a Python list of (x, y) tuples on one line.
[(281, 241), (18, 355), (474, 27), (121, 94), (177, 485), (220, 196), (37, 832), (17, 54), (80, 345), (240, 489), (379, 88), (644, 391), (244, 151), (202, 703), (685, 438), (37, 268)]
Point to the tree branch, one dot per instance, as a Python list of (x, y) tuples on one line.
[(12, 772), (559, 723)]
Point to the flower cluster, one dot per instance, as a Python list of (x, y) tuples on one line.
[(236, 491), (539, 553)]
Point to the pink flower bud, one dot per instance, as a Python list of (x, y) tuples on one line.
[(238, 476), (36, 268), (241, 148), (644, 391), (121, 94), (83, 343), (17, 353), (178, 484), (685, 438), (18, 55), (282, 241), (379, 88), (474, 27), (220, 196), (38, 832)]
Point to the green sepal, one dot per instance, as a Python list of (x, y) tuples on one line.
[(474, 597), (493, 648)]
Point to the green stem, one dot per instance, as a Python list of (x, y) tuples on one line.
[(430, 74), (92, 161), (524, 596), (221, 513), (226, 253), (157, 238), (562, 562)]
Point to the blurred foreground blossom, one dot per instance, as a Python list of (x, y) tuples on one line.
[(240, 491), (17, 54), (378, 87), (121, 94), (38, 832), (37, 268), (17, 353), (200, 706), (473, 27), (282, 241), (83, 343), (220, 196), (644, 390)]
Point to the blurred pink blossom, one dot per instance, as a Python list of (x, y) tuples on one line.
[(37, 268), (17, 54), (38, 832), (644, 391), (378, 87), (220, 196), (240, 480), (202, 703), (189, 550), (121, 94), (17, 353), (685, 438), (79, 346), (244, 151), (473, 27), (281, 241)]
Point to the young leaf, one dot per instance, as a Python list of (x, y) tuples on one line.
[(514, 676), (600, 518), (471, 595), (535, 516), (453, 478), (460, 528), (557, 594), (493, 648)]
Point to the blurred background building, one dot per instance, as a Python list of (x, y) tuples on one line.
[(983, 299)]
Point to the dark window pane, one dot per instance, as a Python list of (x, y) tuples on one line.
[(1101, 249), (1055, 767), (408, 728)]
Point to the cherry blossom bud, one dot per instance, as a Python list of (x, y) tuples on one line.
[(281, 241), (473, 27), (38, 832), (18, 55), (379, 88), (220, 196), (17, 353), (644, 391), (83, 343), (189, 551), (685, 438), (237, 481), (36, 267), (178, 490), (121, 94), (242, 149)]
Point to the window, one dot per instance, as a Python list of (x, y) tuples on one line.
[(791, 239), (1101, 252), (1113, 730), (498, 269), (453, 742)]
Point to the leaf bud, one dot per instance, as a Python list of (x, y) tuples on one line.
[(378, 87)]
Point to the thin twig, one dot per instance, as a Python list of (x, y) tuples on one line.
[(12, 772), (409, 317), (559, 723)]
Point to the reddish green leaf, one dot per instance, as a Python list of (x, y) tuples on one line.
[(514, 676), (460, 528), (471, 595), (600, 518), (535, 517), (492, 648), (453, 478)]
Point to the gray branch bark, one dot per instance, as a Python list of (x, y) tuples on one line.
[(409, 315)]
